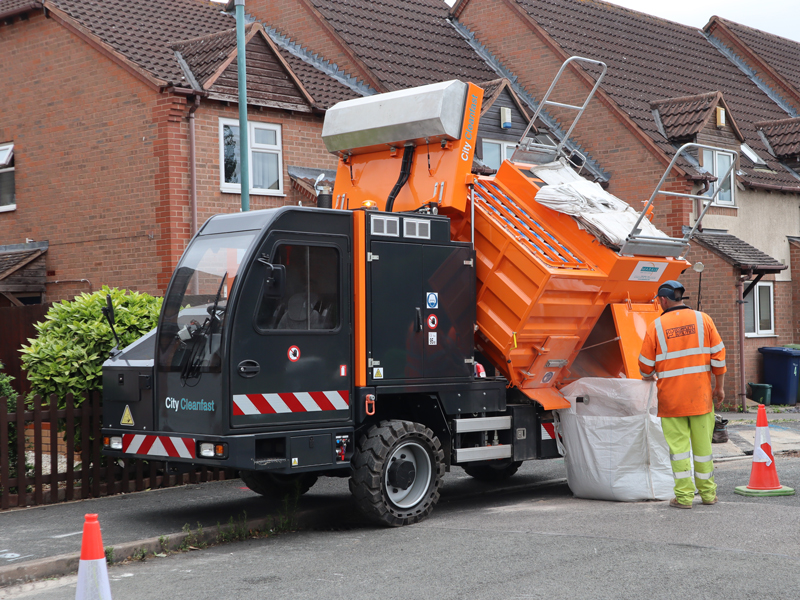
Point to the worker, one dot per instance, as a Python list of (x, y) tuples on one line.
[(682, 349)]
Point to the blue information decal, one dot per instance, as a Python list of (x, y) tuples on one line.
[(432, 300)]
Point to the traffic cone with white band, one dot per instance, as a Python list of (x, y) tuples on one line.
[(764, 475), (92, 571)]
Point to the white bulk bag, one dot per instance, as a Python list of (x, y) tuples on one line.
[(613, 445)]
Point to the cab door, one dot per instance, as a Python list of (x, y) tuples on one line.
[(291, 349)]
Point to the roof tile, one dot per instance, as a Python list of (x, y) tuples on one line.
[(783, 136), (404, 43), (738, 252), (651, 58)]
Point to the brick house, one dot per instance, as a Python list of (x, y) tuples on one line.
[(103, 104)]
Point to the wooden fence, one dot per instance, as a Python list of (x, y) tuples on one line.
[(93, 476)]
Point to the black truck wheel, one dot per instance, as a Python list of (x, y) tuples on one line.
[(276, 485), (496, 471), (397, 472)]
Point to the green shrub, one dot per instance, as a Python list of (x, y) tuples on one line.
[(75, 339)]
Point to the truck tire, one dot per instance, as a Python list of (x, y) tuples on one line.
[(397, 472), (278, 486), (499, 471)]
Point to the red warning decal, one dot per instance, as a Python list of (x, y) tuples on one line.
[(294, 354), (433, 321)]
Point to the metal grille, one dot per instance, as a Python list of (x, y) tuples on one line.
[(534, 237)]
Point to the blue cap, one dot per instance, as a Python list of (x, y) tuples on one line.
[(668, 289)]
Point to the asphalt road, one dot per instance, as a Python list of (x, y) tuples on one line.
[(533, 540)]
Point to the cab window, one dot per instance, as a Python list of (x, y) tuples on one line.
[(311, 297)]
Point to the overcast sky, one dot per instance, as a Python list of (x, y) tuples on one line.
[(779, 17)]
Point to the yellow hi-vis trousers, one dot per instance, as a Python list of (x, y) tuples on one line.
[(687, 435)]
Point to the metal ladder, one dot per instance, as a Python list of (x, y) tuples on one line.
[(531, 151), (637, 244)]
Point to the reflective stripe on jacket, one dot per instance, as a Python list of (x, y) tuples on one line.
[(683, 347)]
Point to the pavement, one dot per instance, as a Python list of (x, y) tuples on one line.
[(44, 541)]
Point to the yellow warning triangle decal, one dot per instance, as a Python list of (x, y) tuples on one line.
[(127, 417)]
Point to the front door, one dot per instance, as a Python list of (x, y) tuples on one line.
[(291, 353)]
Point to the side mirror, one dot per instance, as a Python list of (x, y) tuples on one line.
[(108, 310), (274, 279)]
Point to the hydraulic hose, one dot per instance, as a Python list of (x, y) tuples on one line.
[(405, 173)]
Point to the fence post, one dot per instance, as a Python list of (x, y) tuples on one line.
[(37, 450), (96, 467), (4, 443), (54, 475), (69, 409), (22, 479), (85, 442)]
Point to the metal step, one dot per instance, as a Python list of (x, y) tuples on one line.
[(482, 453), (482, 424), (650, 246)]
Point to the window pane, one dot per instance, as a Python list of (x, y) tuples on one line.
[(510, 151), (5, 156), (311, 300), (764, 308), (723, 164), (491, 155), (230, 140), (749, 314), (266, 136), (7, 188), (265, 171), (708, 160)]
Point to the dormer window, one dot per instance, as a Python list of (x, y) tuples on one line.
[(717, 163)]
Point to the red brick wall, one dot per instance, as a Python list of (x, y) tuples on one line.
[(86, 172), (609, 138)]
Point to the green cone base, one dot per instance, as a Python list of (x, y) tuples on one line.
[(743, 490)]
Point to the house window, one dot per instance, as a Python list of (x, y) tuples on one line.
[(494, 152), (8, 199), (265, 158), (718, 163), (759, 314)]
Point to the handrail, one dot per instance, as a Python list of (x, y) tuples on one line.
[(710, 200), (544, 102)]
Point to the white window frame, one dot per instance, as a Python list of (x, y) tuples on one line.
[(8, 167), (504, 149), (753, 300), (714, 169), (277, 149)]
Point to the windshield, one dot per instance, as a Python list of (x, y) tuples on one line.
[(194, 312)]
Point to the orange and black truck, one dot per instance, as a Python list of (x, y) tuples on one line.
[(425, 320)]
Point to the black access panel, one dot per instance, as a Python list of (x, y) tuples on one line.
[(421, 309)]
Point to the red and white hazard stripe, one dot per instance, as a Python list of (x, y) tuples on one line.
[(298, 402), (762, 448), (158, 445)]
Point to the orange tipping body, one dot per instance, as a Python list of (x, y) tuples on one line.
[(544, 285)]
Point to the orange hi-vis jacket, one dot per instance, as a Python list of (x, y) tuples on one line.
[(683, 347)]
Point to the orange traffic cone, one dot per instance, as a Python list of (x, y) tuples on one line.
[(92, 571), (763, 476)]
